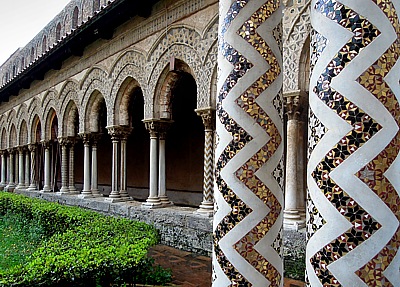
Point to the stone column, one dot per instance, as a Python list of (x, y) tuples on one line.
[(11, 170), (95, 190), (301, 169), (71, 172), (64, 165), (353, 169), (125, 131), (27, 167), (153, 201), (3, 170), (291, 216), (86, 192), (248, 174), (21, 180), (114, 132), (163, 126), (47, 183), (32, 149), (207, 205)]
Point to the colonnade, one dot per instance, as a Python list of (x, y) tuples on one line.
[(21, 161)]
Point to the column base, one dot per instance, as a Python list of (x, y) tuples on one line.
[(73, 190), (165, 201), (2, 185), (152, 202), (96, 193), (205, 209), (116, 199), (292, 220), (85, 194), (32, 188), (64, 190), (9, 188), (46, 189)]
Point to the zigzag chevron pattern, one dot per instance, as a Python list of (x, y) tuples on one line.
[(355, 48), (208, 166), (248, 219)]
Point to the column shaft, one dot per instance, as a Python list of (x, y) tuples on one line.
[(123, 188), (71, 172), (114, 176), (162, 186), (95, 189), (64, 167), (47, 174), (32, 149), (3, 170), (153, 200), (249, 191), (21, 179), (352, 173), (86, 192), (27, 168), (207, 205)]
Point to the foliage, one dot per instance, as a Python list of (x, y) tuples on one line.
[(83, 248), (19, 239)]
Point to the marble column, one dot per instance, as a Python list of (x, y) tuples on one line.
[(3, 169), (21, 179), (153, 201), (32, 150), (47, 174), (207, 205), (248, 193), (301, 169), (71, 171), (354, 142), (95, 189), (114, 132), (291, 216), (11, 171), (86, 192), (163, 126), (27, 167), (125, 131), (64, 165)]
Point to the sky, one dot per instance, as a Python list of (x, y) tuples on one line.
[(21, 20)]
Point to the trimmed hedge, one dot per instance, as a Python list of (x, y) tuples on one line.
[(83, 248)]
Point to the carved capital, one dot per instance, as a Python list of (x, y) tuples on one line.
[(157, 127), (85, 137), (293, 105), (64, 141), (119, 132), (45, 144), (208, 117), (20, 149), (32, 147)]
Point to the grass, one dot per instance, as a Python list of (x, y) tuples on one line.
[(19, 239)]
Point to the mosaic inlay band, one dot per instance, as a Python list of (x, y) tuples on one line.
[(248, 219), (353, 226)]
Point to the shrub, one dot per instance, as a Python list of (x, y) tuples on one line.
[(83, 248)]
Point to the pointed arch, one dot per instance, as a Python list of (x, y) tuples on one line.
[(70, 122), (13, 137), (93, 112), (23, 134), (4, 144), (122, 101)]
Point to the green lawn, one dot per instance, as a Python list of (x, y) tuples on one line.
[(19, 239)]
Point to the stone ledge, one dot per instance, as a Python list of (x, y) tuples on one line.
[(178, 226)]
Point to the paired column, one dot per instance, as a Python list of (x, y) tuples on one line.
[(248, 193), (207, 205), (292, 218), (163, 127), (27, 167), (32, 149), (353, 169), (153, 200), (86, 191), (119, 134), (64, 165), (3, 169), (11, 171), (21, 179), (47, 174), (71, 166)]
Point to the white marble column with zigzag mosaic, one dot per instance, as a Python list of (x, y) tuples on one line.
[(247, 229), (354, 141)]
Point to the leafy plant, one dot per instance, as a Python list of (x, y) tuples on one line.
[(82, 248)]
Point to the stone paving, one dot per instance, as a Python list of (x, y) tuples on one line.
[(191, 270)]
